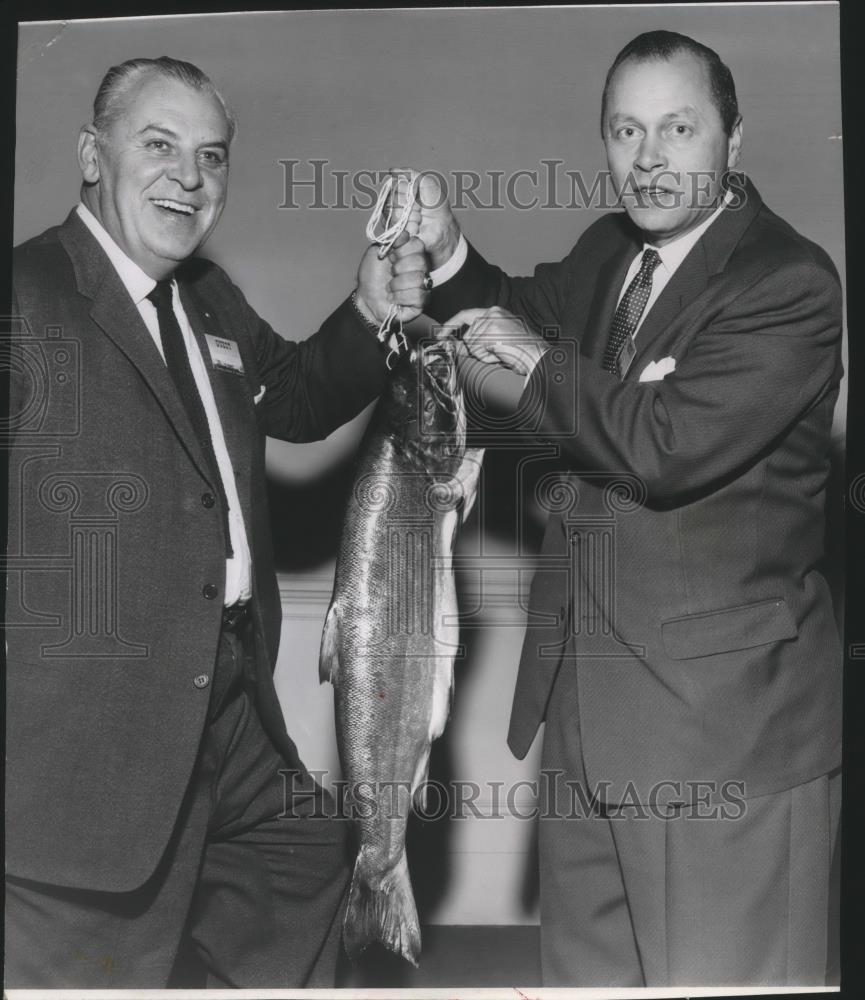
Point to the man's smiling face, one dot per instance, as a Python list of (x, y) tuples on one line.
[(666, 146), (157, 177)]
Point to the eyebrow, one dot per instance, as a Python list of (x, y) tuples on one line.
[(162, 130), (686, 110)]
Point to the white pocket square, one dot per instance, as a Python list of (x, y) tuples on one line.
[(259, 395), (656, 370)]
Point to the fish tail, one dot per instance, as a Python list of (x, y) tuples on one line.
[(382, 911)]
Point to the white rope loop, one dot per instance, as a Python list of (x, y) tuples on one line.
[(392, 228), (385, 232)]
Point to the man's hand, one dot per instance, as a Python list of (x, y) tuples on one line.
[(497, 337), (439, 230), (396, 280)]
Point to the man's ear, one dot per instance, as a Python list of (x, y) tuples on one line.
[(88, 155), (734, 144)]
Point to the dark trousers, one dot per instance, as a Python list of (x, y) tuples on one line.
[(680, 898), (259, 895)]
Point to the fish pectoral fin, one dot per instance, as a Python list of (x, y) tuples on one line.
[(468, 475), (419, 781), (328, 657)]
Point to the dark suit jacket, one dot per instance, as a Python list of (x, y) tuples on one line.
[(114, 548), (700, 621)]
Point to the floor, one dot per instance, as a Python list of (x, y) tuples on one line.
[(454, 956)]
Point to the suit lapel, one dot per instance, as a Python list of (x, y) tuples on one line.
[(230, 391), (608, 284), (118, 317), (707, 258), (690, 279)]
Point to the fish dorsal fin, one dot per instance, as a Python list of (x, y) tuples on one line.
[(328, 658)]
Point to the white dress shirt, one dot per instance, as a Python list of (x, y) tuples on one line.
[(140, 285), (671, 256), (450, 267)]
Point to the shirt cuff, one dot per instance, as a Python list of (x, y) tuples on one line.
[(441, 274), (533, 366)]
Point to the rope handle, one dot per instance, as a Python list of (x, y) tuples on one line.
[(392, 227), (384, 229)]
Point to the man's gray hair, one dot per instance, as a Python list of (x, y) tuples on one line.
[(109, 102)]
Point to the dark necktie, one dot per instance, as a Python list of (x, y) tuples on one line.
[(177, 361), (630, 309)]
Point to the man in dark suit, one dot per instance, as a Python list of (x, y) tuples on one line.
[(147, 752), (691, 681)]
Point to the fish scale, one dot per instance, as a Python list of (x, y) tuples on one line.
[(390, 636)]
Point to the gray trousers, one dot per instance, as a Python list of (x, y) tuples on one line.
[(258, 894), (681, 900)]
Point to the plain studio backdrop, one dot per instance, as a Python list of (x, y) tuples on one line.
[(483, 91)]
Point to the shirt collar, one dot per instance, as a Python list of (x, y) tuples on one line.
[(137, 283), (677, 250)]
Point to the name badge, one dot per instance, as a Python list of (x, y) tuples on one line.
[(626, 357), (224, 354)]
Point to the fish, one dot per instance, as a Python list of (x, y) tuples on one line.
[(391, 634)]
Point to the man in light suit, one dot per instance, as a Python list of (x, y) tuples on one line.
[(147, 752), (691, 682)]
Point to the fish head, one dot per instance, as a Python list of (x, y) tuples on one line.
[(423, 408), (423, 399), (439, 400)]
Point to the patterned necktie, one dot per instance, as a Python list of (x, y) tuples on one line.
[(177, 361), (630, 309)]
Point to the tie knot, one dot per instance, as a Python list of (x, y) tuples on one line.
[(160, 295), (651, 259)]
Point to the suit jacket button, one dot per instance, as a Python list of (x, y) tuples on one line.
[(208, 499), (210, 590), (201, 681)]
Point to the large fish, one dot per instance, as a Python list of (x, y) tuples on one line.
[(391, 635)]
